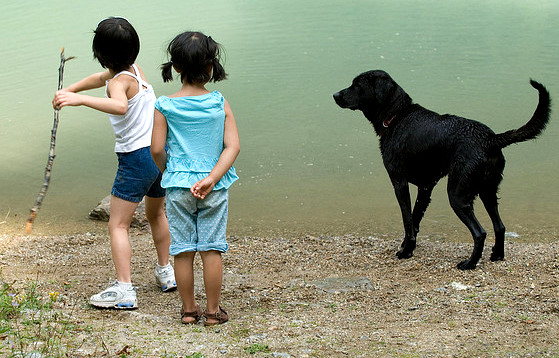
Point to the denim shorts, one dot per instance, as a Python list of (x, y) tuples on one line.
[(137, 176), (197, 224)]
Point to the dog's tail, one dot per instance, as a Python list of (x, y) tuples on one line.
[(535, 125)]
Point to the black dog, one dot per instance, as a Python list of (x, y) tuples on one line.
[(419, 146)]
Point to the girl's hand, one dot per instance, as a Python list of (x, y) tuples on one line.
[(202, 188), (64, 98)]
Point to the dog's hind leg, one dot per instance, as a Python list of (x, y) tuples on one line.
[(488, 195), (421, 203), (489, 200), (465, 211)]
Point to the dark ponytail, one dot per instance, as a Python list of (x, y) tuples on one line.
[(218, 71), (215, 49), (167, 71)]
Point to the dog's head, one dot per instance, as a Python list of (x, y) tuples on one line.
[(374, 93)]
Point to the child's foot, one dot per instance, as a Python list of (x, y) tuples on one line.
[(165, 277), (213, 319), (191, 317), (115, 297)]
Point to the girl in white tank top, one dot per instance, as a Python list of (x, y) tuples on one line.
[(129, 102)]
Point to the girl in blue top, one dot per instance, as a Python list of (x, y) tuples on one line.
[(199, 129)]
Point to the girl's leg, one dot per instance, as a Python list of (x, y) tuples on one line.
[(122, 212), (159, 228), (213, 279), (184, 274)]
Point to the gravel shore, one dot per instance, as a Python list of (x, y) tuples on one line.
[(344, 296)]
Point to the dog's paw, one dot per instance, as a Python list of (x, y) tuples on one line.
[(497, 255), (404, 254), (466, 265)]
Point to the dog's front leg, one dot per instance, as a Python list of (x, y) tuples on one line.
[(402, 190), (421, 204)]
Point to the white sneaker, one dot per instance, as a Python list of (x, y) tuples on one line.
[(165, 277), (115, 297)]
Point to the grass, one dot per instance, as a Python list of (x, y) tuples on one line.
[(34, 322), (256, 347), (196, 355)]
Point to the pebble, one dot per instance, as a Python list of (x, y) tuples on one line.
[(459, 286), (277, 354)]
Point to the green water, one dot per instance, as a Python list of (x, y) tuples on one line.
[(306, 166)]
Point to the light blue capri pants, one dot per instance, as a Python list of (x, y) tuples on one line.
[(197, 224)]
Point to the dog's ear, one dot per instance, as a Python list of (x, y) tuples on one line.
[(376, 86), (390, 95), (382, 85)]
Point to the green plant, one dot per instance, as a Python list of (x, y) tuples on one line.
[(9, 305), (195, 355), (257, 347), (31, 323)]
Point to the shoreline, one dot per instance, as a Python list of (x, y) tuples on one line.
[(439, 223), (431, 230)]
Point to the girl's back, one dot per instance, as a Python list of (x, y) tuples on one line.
[(133, 129), (195, 125), (195, 129)]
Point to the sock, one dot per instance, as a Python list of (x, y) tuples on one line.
[(125, 285), (160, 268)]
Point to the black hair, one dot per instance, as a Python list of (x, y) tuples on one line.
[(197, 58), (115, 44)]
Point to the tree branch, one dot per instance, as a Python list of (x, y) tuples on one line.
[(48, 169)]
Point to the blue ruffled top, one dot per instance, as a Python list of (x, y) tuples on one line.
[(195, 128)]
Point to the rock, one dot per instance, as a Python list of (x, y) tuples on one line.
[(511, 234), (459, 286), (102, 212)]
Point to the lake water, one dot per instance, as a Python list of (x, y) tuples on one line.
[(306, 166)]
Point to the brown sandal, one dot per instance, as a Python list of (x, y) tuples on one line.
[(221, 317), (196, 315)]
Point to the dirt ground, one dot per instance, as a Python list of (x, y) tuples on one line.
[(310, 296)]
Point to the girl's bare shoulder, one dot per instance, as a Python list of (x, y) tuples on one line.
[(141, 72)]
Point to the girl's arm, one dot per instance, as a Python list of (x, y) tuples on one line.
[(158, 139), (231, 148), (95, 80), (117, 103)]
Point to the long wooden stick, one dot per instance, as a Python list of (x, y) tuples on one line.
[(48, 169)]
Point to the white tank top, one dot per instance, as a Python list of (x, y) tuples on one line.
[(133, 129)]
